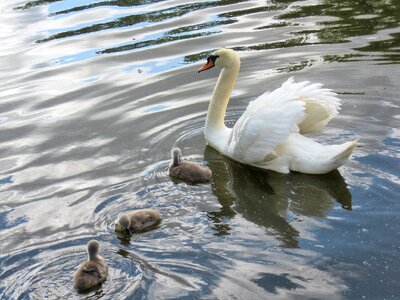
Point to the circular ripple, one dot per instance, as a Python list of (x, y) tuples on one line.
[(48, 273)]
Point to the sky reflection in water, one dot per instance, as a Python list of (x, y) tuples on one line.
[(95, 94)]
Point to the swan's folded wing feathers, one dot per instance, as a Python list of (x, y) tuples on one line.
[(269, 119), (262, 127), (322, 105), (318, 115)]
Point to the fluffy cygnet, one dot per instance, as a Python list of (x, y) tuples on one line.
[(137, 220), (187, 170), (93, 271)]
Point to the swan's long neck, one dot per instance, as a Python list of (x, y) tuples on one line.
[(219, 102)]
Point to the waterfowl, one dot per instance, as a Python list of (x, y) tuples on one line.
[(137, 220), (93, 271), (187, 170), (269, 133)]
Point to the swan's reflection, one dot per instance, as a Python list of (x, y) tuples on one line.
[(266, 198)]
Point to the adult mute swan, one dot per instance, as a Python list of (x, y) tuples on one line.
[(269, 133)]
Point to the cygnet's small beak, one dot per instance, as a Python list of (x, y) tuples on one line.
[(207, 66)]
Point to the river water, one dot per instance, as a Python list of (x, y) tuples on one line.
[(95, 93)]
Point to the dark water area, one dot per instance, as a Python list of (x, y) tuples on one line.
[(93, 96)]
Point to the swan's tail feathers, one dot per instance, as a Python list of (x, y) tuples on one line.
[(346, 150)]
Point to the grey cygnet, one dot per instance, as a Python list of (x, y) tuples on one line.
[(187, 170), (93, 271), (137, 220)]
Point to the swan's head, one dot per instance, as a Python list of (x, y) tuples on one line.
[(223, 58), (93, 248)]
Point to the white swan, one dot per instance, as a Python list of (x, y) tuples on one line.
[(268, 134)]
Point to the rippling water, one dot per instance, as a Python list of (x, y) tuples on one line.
[(94, 94)]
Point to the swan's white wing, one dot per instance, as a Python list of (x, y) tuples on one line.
[(322, 105), (267, 122)]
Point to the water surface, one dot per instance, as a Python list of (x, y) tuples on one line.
[(94, 94)]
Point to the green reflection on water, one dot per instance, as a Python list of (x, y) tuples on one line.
[(390, 47), (161, 40), (353, 19), (197, 56), (205, 25), (243, 12), (296, 66), (32, 4), (276, 25), (350, 19), (151, 17)]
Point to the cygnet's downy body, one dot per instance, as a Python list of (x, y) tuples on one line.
[(93, 271), (138, 220), (187, 170)]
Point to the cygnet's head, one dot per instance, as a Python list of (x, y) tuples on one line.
[(223, 58), (176, 155), (93, 248), (125, 222)]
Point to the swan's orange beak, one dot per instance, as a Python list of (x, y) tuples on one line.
[(207, 66)]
